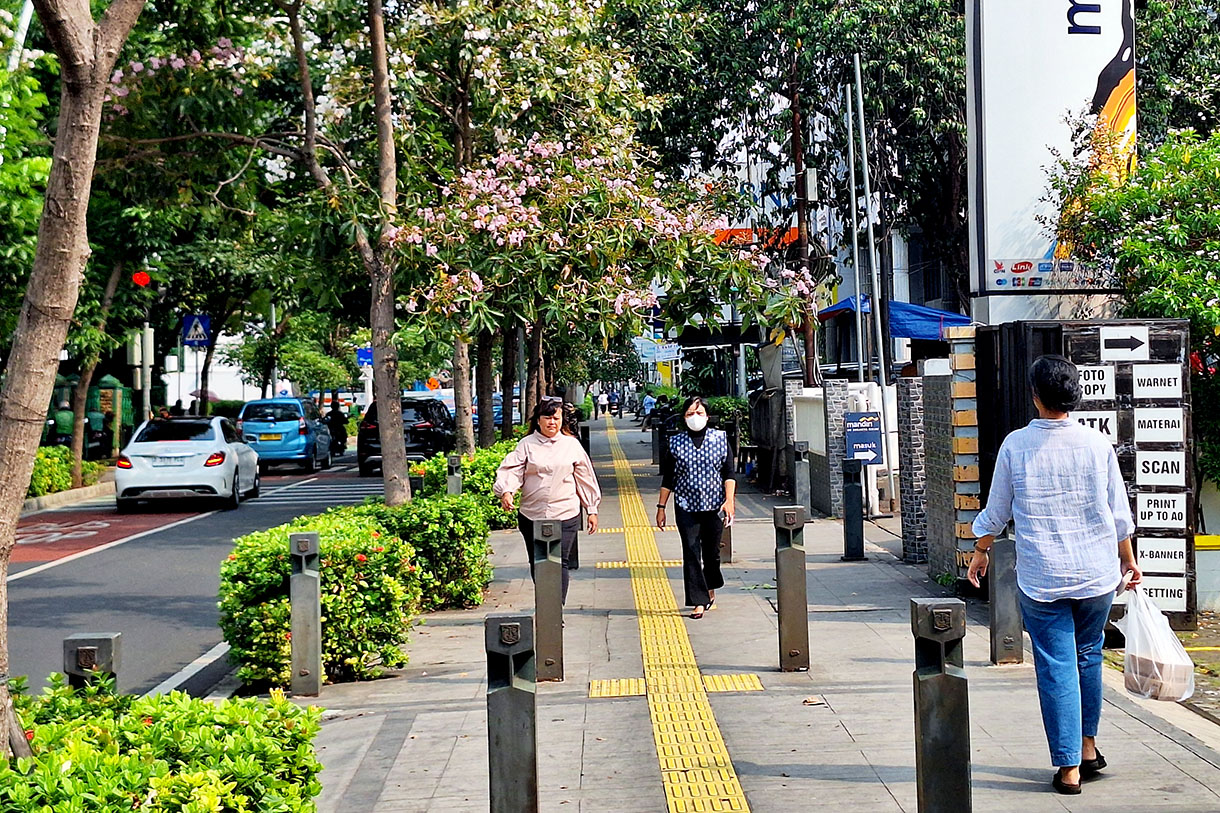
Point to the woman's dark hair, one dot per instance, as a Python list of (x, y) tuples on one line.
[(571, 420), (548, 406), (692, 401), (1056, 382)]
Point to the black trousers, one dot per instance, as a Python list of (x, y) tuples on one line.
[(567, 542), (700, 532)]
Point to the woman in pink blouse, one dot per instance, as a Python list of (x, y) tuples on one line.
[(555, 478)]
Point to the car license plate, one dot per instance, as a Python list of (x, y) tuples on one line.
[(270, 437), (169, 461)]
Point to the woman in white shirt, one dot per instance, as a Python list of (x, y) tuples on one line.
[(555, 478), (1059, 483)]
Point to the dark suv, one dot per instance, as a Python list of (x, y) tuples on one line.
[(427, 427)]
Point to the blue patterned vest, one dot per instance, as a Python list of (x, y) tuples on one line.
[(698, 485)]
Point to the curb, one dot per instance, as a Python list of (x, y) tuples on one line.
[(69, 497)]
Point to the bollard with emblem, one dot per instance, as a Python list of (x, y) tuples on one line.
[(453, 481), (1004, 604), (88, 655), (305, 597), (942, 707), (793, 607), (584, 437), (548, 597), (512, 722), (801, 494), (726, 545), (853, 511)]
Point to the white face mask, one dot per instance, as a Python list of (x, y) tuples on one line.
[(696, 423)]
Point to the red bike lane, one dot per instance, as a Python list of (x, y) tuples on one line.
[(51, 535)]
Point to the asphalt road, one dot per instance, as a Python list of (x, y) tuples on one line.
[(152, 575)]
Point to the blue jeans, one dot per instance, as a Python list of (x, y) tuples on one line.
[(1067, 636)]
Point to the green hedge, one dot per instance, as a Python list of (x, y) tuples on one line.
[(370, 592), (98, 752), (728, 408), (53, 471), (478, 477), (449, 535)]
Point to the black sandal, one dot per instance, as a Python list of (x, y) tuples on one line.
[(1091, 767), (698, 612), (1064, 788)]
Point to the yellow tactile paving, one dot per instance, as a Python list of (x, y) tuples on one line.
[(695, 767), (617, 687), (732, 683), (620, 564)]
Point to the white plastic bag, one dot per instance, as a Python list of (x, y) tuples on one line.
[(1156, 665)]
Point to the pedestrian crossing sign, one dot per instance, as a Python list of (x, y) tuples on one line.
[(196, 330)]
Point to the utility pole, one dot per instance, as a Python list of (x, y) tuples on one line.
[(802, 210)]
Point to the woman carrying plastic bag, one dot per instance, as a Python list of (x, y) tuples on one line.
[(1156, 665)]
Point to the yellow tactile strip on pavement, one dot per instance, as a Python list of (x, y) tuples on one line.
[(695, 767), (617, 687), (620, 564), (634, 687)]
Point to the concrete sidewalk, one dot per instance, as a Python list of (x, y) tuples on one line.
[(840, 735)]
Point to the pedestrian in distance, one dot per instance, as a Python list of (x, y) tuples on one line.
[(698, 470), (65, 419), (163, 413), (336, 421), (176, 410), (556, 479), (612, 404), (603, 402), (1059, 483)]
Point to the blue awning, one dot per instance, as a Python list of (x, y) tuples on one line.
[(907, 321)]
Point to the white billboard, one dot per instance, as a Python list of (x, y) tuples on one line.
[(1033, 64)]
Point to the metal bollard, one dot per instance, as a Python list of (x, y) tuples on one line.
[(417, 485), (89, 655), (656, 445), (548, 597), (726, 545), (942, 707), (793, 607), (853, 511), (512, 719), (1004, 605), (305, 596), (801, 494), (453, 481), (584, 437)]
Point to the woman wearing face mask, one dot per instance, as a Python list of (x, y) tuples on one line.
[(555, 477), (699, 472)]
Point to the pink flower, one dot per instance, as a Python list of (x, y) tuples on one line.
[(176, 62), (116, 77), (195, 57), (225, 42), (238, 91), (476, 282), (431, 250), (136, 67), (120, 92)]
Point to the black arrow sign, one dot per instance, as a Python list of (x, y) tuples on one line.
[(1125, 343)]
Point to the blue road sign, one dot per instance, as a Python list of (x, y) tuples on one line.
[(196, 330), (864, 438), (364, 357)]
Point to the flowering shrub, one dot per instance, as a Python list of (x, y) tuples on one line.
[(449, 535), (370, 591), (98, 751)]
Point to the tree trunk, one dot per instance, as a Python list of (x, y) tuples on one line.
[(203, 404), (86, 56), (485, 387), (461, 396), (387, 391), (508, 378), (533, 392), (80, 396)]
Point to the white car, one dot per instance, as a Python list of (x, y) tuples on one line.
[(186, 457)]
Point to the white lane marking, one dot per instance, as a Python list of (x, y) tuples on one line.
[(187, 672), (82, 554)]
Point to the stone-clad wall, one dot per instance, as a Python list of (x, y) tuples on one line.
[(819, 483), (938, 468), (836, 441), (911, 470)]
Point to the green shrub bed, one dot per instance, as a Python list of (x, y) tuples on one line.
[(370, 593), (478, 477), (449, 535), (53, 471), (99, 752)]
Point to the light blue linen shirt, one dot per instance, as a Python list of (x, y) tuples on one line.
[(1059, 483)]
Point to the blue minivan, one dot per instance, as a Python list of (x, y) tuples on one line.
[(286, 430)]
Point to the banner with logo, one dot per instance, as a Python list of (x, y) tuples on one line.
[(1033, 65)]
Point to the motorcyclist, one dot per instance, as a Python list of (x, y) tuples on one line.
[(336, 420)]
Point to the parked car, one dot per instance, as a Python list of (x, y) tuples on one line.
[(497, 409), (186, 457), (286, 430), (428, 429)]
